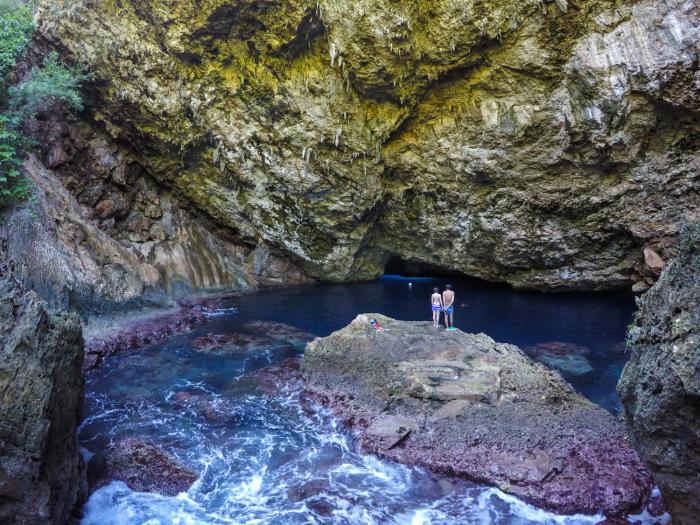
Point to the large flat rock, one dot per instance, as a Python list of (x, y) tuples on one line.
[(464, 404)]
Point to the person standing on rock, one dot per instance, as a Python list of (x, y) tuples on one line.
[(448, 299), (436, 304)]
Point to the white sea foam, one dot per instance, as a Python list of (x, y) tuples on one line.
[(218, 312), (275, 465)]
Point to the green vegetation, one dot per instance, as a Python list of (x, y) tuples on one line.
[(13, 187), (43, 87), (16, 29), (51, 83)]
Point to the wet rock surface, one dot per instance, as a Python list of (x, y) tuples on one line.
[(145, 467), (41, 392), (253, 337), (142, 332), (660, 385), (463, 404)]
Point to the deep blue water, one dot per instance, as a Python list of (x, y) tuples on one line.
[(271, 462), (596, 321)]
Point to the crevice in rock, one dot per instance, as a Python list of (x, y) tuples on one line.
[(309, 29)]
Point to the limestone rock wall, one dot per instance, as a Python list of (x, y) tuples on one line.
[(544, 144), (102, 235), (41, 393), (660, 385)]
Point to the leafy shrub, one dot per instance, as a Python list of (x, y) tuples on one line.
[(13, 186), (51, 83), (17, 27), (45, 86)]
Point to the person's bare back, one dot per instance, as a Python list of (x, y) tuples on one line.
[(448, 299)]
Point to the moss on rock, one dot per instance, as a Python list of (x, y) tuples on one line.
[(517, 141)]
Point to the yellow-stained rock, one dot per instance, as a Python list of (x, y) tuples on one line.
[(537, 143)]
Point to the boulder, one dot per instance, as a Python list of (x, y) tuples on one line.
[(660, 385), (463, 404), (41, 392), (145, 467), (653, 260)]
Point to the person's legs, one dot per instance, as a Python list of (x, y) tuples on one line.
[(450, 318)]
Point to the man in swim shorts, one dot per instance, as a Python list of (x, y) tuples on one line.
[(448, 300), (436, 305)]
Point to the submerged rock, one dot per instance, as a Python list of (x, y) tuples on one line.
[(253, 337), (270, 380), (279, 332), (145, 467), (660, 385), (41, 392), (568, 358), (212, 408), (464, 404), (231, 343)]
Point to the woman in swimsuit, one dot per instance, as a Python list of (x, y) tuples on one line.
[(436, 304)]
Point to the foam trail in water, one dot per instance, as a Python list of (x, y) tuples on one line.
[(271, 464), (218, 312)]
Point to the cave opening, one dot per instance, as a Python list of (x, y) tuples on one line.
[(396, 265)]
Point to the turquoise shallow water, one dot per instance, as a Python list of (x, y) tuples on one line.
[(272, 462)]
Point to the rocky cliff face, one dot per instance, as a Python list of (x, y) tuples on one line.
[(544, 144), (41, 391), (102, 235), (660, 386)]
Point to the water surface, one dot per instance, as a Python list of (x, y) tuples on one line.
[(272, 461)]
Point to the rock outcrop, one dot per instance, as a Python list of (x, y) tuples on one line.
[(103, 237), (465, 405), (660, 385), (41, 393), (550, 145), (105, 337), (145, 467)]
